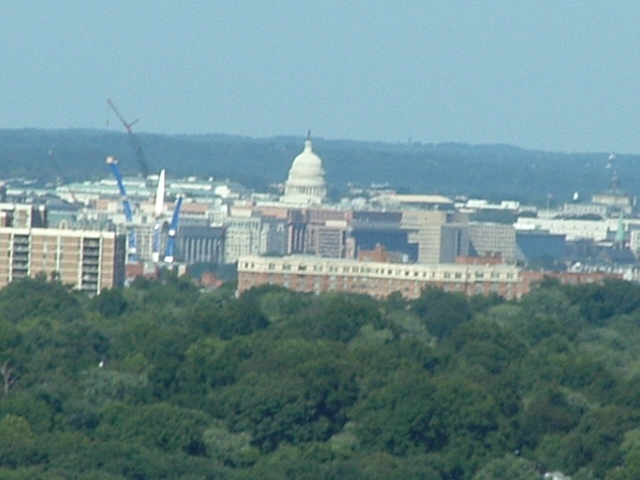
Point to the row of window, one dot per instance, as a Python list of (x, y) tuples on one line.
[(478, 274)]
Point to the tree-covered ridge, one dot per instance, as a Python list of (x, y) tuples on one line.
[(489, 171), (163, 381)]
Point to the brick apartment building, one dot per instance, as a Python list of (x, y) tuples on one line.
[(87, 260)]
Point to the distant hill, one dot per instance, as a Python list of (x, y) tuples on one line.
[(491, 171)]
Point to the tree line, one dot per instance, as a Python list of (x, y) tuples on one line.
[(487, 171)]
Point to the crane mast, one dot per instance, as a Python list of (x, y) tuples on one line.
[(173, 229), (61, 176), (132, 255), (142, 161)]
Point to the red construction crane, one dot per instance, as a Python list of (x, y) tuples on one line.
[(61, 175), (142, 161)]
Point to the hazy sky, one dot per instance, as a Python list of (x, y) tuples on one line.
[(545, 74)]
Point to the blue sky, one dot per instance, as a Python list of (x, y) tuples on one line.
[(550, 75)]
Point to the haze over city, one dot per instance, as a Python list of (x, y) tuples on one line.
[(544, 75)]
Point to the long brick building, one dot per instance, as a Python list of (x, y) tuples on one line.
[(380, 279)]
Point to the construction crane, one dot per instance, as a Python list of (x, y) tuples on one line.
[(173, 229), (142, 161), (61, 175), (132, 254)]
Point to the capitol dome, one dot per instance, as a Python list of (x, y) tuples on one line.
[(305, 184)]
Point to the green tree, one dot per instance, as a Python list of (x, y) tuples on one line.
[(548, 411), (598, 303), (336, 316), (488, 345), (166, 427), (442, 312), (231, 449), (630, 469), (16, 442), (508, 467), (298, 391), (398, 418), (228, 318), (29, 297), (109, 303), (594, 444), (106, 385)]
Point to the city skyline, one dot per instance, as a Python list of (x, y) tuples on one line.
[(557, 76)]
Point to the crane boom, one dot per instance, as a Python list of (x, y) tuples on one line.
[(132, 254), (142, 160), (61, 175)]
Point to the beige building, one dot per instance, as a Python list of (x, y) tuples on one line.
[(381, 279), (378, 279), (22, 215), (87, 260), (493, 238), (441, 236)]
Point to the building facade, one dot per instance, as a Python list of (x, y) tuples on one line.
[(493, 238), (89, 261), (378, 279), (381, 279)]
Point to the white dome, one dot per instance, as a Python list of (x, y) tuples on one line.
[(305, 183), (306, 169)]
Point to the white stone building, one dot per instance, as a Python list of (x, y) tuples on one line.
[(305, 184)]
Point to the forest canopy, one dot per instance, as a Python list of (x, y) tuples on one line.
[(162, 380)]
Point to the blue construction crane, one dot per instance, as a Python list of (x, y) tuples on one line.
[(132, 255), (173, 229)]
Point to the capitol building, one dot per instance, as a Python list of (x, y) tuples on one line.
[(305, 184)]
